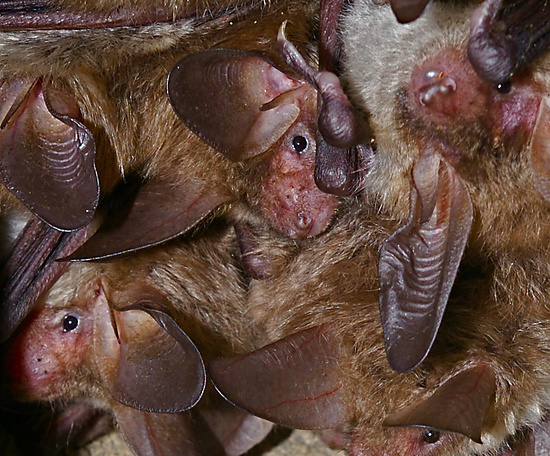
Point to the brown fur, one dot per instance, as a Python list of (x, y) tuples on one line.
[(334, 280), (119, 84), (199, 278)]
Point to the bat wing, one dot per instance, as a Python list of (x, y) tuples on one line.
[(459, 405), (233, 100), (31, 269), (293, 382), (150, 214), (419, 262), (47, 156)]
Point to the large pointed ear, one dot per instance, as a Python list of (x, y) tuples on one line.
[(294, 382), (540, 149), (145, 360), (162, 434), (341, 132), (458, 405), (419, 262), (236, 430), (31, 269), (236, 101), (505, 39), (47, 156), (148, 214)]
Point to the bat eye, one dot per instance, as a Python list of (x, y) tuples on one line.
[(70, 323), (430, 436), (299, 143), (504, 87)]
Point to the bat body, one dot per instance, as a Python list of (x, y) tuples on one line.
[(120, 152), (483, 384), (456, 162), (109, 337), (108, 103)]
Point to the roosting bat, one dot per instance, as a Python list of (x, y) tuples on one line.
[(125, 117), (110, 336), (324, 365), (459, 162), (68, 120)]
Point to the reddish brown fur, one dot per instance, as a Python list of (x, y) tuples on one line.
[(333, 280)]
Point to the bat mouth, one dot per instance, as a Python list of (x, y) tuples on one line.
[(38, 15)]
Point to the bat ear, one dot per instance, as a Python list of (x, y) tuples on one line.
[(459, 405), (505, 40), (149, 214), (236, 430), (540, 149), (47, 157), (419, 262), (162, 434), (149, 364), (233, 100), (491, 52), (294, 382), (408, 10)]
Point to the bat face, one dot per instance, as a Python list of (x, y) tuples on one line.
[(460, 401), (456, 156), (102, 331), (438, 102)]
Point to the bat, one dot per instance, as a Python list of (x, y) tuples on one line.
[(105, 333), (457, 157), (320, 362), (139, 191)]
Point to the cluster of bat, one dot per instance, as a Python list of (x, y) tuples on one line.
[(220, 216)]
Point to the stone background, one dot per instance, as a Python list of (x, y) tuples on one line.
[(281, 443)]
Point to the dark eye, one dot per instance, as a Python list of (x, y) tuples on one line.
[(299, 143), (430, 436), (504, 87), (70, 323)]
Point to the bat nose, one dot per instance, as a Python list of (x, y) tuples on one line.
[(438, 93)]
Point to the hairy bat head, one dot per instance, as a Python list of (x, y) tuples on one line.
[(482, 382), (423, 94), (50, 349)]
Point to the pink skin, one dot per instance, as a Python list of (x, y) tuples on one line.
[(45, 349), (445, 92), (290, 198), (51, 346), (403, 441)]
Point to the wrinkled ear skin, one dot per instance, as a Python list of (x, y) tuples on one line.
[(540, 149), (419, 262), (233, 100), (458, 405), (148, 214), (506, 37), (47, 156), (293, 382)]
